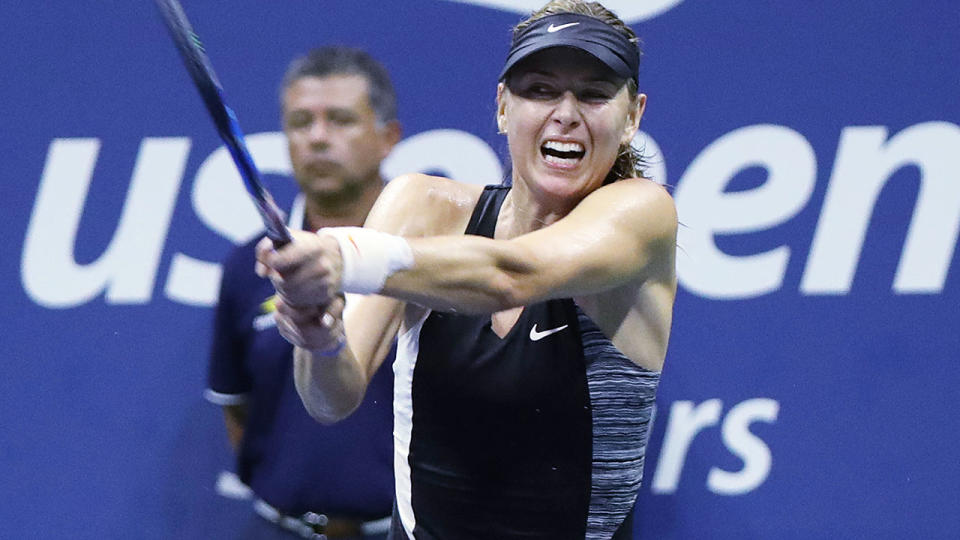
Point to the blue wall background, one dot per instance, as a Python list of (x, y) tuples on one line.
[(813, 150)]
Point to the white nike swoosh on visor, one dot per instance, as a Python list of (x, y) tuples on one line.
[(553, 28), (537, 336)]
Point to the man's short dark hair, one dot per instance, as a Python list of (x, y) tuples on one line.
[(337, 60)]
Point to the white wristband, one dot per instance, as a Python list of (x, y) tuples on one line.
[(369, 257)]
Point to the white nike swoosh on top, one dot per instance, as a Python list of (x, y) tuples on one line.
[(537, 336), (553, 28)]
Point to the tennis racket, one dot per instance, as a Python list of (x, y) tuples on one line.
[(201, 71)]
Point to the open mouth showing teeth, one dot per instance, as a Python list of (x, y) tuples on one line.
[(562, 152)]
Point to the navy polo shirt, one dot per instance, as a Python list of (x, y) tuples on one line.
[(287, 458)]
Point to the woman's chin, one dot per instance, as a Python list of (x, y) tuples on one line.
[(560, 187), (566, 182)]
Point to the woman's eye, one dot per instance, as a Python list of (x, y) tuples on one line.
[(539, 90), (595, 96)]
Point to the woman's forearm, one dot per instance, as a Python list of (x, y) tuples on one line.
[(331, 388)]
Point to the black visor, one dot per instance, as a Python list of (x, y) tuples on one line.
[(582, 32)]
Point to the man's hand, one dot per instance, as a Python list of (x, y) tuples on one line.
[(306, 272)]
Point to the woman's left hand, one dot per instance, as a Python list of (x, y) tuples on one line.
[(305, 272), (317, 329)]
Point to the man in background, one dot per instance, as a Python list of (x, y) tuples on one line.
[(339, 117)]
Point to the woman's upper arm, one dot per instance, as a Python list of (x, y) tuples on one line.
[(416, 205), (624, 232), (411, 205)]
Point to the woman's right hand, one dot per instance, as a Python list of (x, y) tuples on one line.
[(305, 272)]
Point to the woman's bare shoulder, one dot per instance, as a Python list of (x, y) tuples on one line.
[(423, 205), (640, 201)]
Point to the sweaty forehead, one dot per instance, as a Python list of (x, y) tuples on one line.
[(339, 91), (565, 62)]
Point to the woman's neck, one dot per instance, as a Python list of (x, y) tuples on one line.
[(522, 212)]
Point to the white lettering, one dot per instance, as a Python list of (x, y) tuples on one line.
[(685, 422), (449, 152), (865, 162), (219, 196), (706, 210), (223, 204), (751, 449), (127, 269)]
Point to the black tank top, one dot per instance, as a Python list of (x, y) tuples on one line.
[(539, 434)]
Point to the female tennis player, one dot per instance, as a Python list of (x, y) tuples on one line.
[(532, 318)]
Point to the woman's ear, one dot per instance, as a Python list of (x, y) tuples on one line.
[(501, 110), (633, 119)]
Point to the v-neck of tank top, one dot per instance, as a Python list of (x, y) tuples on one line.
[(489, 326)]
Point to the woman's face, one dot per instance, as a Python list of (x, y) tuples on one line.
[(565, 115)]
